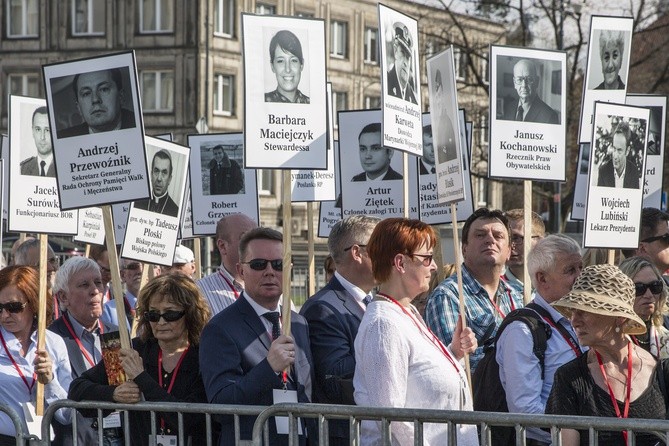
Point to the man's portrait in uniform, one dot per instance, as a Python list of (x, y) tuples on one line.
[(444, 132), (287, 62), (617, 169), (161, 176), (528, 106), (99, 98), (374, 157), (225, 174), (41, 164), (400, 78)]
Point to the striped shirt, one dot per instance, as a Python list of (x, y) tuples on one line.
[(220, 290), (442, 310)]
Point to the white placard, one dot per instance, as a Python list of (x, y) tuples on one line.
[(371, 182), (581, 183), (527, 102), (617, 166), (153, 224), (91, 228), (652, 188), (400, 81), (285, 123), (317, 185), (98, 140), (120, 213), (607, 67), (446, 161), (34, 201), (219, 184), (431, 211), (4, 140), (329, 212), (186, 228)]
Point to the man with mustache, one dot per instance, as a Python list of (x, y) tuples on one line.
[(99, 95), (529, 108), (400, 80)]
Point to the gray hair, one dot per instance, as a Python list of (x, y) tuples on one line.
[(631, 268), (21, 257), (350, 231), (609, 35), (542, 256), (72, 266)]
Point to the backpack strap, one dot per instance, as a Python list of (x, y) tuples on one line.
[(559, 327)]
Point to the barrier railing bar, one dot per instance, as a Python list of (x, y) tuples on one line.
[(322, 430), (418, 433), (207, 422), (180, 426)]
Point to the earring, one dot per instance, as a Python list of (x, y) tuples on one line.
[(617, 329)]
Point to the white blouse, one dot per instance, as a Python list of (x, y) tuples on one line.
[(399, 365)]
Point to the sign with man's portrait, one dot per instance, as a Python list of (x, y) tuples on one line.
[(652, 187), (153, 224), (34, 200), (98, 130), (219, 158), (607, 67), (617, 167), (285, 98), (527, 110), (400, 80), (374, 185), (443, 155)]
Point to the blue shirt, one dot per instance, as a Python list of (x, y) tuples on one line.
[(442, 310), (513, 281), (109, 315), (520, 370)]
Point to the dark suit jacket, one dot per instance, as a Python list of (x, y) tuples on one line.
[(539, 112), (423, 170), (606, 176), (334, 317), (390, 175), (395, 90), (85, 433), (235, 370), (30, 167), (226, 178), (165, 206), (127, 122)]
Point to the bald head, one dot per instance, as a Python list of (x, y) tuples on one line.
[(525, 79), (228, 232)]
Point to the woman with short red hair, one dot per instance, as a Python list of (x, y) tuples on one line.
[(399, 361)]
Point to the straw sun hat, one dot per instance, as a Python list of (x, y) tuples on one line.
[(603, 289)]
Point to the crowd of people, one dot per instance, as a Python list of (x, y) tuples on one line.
[(383, 332)]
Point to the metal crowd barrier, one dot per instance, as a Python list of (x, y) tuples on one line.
[(355, 414), (17, 421)]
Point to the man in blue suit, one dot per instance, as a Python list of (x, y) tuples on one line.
[(242, 350), (334, 314)]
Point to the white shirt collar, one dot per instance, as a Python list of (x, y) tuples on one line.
[(353, 290)]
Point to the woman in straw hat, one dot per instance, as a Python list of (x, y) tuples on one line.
[(399, 361), (651, 296), (616, 378)]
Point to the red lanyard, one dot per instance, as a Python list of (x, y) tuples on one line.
[(628, 384), (18, 369), (174, 376), (425, 331), (501, 313), (568, 339), (56, 309), (84, 352), (232, 287)]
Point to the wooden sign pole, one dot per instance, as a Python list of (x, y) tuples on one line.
[(41, 316)]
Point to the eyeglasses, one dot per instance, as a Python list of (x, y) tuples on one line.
[(355, 244), (168, 316), (529, 80), (261, 264), (519, 239), (133, 266), (426, 259), (13, 307), (663, 237), (655, 287)]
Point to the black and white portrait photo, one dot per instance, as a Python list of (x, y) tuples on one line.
[(39, 162), (161, 173), (287, 62), (619, 153), (93, 102), (609, 54), (401, 79), (374, 157), (222, 171), (526, 88), (444, 134)]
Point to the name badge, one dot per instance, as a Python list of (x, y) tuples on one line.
[(285, 396), (163, 440), (112, 420)]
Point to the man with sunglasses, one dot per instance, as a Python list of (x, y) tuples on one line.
[(223, 287), (554, 264), (243, 354), (131, 275), (653, 240), (334, 315)]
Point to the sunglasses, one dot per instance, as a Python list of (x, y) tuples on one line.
[(426, 259), (168, 316), (655, 287), (355, 244), (13, 307), (663, 237), (261, 264)]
